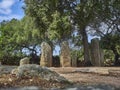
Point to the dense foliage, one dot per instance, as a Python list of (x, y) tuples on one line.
[(112, 42)]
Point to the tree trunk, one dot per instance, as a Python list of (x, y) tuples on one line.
[(117, 61), (86, 47)]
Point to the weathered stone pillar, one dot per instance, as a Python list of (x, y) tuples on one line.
[(24, 61), (74, 60), (0, 63), (95, 52), (65, 58), (102, 57), (46, 55)]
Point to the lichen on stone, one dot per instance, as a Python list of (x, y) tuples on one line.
[(31, 70)]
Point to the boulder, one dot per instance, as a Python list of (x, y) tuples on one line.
[(65, 57), (24, 61), (46, 55), (31, 70)]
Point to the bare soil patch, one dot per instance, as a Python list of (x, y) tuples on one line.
[(91, 75)]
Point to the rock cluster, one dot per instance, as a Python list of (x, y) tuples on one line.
[(36, 70)]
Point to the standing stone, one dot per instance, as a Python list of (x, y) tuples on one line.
[(65, 59), (95, 52), (46, 55), (74, 60), (24, 61), (102, 57)]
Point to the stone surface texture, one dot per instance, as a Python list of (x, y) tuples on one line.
[(46, 56), (74, 60), (65, 58), (31, 70), (96, 53), (24, 61)]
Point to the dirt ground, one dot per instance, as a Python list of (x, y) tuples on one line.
[(91, 75), (79, 75)]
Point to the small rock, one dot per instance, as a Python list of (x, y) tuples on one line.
[(24, 61), (10, 79)]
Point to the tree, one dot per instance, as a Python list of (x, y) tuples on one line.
[(53, 17), (106, 26), (32, 38), (7, 29), (18, 36), (111, 42), (83, 14), (86, 14), (50, 19), (10, 51)]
